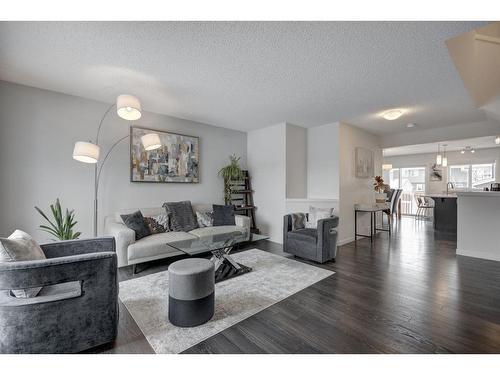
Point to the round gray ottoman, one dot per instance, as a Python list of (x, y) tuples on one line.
[(191, 292)]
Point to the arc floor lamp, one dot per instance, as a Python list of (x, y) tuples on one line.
[(128, 107)]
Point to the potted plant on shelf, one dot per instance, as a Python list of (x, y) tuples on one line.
[(231, 172), (380, 189), (62, 227)]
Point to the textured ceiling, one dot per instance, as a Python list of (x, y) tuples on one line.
[(251, 74)]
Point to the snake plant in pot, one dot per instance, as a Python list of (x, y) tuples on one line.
[(231, 172), (62, 225)]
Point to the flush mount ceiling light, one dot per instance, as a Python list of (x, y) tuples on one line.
[(393, 114), (497, 140)]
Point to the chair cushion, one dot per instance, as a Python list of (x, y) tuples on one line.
[(21, 246), (182, 217), (156, 244), (223, 215), (306, 234), (210, 231), (135, 221)]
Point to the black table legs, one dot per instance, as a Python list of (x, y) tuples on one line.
[(373, 225)]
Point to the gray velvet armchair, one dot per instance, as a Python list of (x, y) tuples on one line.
[(77, 307), (319, 245)]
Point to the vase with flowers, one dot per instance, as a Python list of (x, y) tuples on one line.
[(380, 189)]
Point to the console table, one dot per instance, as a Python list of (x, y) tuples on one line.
[(372, 209)]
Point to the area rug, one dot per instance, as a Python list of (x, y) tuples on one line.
[(273, 279)]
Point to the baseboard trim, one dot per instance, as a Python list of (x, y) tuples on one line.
[(479, 255), (345, 241)]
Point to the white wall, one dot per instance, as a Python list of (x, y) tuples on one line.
[(486, 155), (352, 189), (38, 129), (323, 162), (296, 161), (267, 167)]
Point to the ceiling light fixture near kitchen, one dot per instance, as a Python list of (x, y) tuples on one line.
[(393, 114), (445, 159), (439, 157), (497, 140), (467, 148)]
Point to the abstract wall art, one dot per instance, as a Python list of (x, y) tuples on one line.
[(436, 173), (177, 160), (364, 162)]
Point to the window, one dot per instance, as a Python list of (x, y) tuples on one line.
[(471, 176), (482, 174), (412, 180), (459, 175)]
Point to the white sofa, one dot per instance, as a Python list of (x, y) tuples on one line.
[(131, 252)]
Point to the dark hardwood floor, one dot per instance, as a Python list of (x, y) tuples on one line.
[(406, 294)]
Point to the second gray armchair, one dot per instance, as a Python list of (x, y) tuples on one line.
[(317, 244)]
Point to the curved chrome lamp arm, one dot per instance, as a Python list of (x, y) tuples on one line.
[(97, 179), (98, 170)]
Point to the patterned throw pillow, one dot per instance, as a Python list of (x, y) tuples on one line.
[(205, 219), (316, 213), (298, 220), (153, 222)]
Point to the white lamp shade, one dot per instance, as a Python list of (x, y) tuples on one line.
[(151, 141), (439, 159), (445, 162), (86, 152), (128, 107)]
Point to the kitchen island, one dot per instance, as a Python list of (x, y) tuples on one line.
[(445, 212), (478, 229)]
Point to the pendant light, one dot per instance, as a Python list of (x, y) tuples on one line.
[(445, 159), (439, 158)]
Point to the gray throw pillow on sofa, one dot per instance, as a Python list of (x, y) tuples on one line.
[(20, 246), (181, 215), (135, 221), (223, 215)]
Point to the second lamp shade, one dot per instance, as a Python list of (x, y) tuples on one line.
[(151, 141), (86, 152)]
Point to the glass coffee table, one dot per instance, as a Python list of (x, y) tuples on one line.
[(220, 245)]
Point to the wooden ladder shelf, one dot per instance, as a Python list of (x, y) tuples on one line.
[(242, 199)]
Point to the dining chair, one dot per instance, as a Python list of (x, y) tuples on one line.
[(423, 205), (393, 205)]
